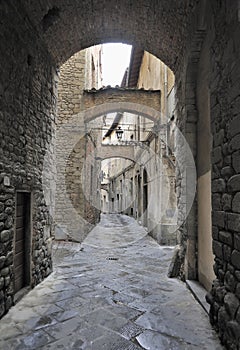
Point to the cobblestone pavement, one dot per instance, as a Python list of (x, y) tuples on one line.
[(101, 298)]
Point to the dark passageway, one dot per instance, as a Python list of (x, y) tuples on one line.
[(199, 41)]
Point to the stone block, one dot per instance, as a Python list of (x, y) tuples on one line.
[(237, 241), (9, 222), (230, 268), (215, 232), (2, 207), (227, 160), (231, 303), (7, 281), (237, 292), (227, 253), (215, 174), (237, 274), (217, 155), (9, 210), (2, 261), (226, 237), (227, 172), (223, 318), (236, 259), (234, 127), (233, 222), (4, 272), (236, 161), (9, 203), (216, 201), (236, 203), (218, 185), (220, 293), (226, 202), (219, 137), (218, 218), (234, 143), (233, 329), (233, 183), (230, 282), (5, 236), (238, 312), (3, 216), (225, 149), (217, 249), (9, 259)]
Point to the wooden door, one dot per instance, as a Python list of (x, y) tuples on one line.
[(22, 241)]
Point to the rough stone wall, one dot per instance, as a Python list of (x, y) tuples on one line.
[(75, 26), (186, 121), (218, 32), (70, 87), (27, 117), (225, 125), (27, 98), (74, 213)]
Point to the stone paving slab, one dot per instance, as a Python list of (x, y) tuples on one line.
[(92, 302)]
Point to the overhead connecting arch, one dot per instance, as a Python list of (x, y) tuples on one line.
[(118, 96), (116, 151), (134, 108)]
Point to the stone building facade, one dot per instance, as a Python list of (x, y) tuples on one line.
[(77, 188), (38, 37), (146, 188)]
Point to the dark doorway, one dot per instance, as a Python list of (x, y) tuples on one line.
[(22, 241), (145, 198)]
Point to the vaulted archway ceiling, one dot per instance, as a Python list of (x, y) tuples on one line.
[(67, 26)]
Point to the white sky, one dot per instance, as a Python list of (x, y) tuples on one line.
[(115, 60)]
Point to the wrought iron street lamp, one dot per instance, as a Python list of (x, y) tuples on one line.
[(119, 133)]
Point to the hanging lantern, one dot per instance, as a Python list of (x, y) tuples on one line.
[(119, 133)]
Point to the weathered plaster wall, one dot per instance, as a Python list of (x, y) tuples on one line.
[(204, 145), (154, 74)]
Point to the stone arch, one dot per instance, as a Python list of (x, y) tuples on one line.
[(111, 21), (116, 151), (148, 98), (135, 108)]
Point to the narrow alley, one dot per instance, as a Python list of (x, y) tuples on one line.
[(109, 293)]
